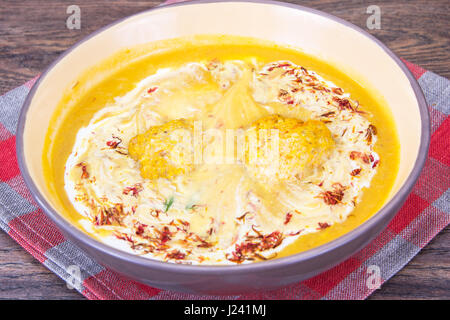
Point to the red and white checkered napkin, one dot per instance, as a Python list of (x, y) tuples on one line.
[(425, 213)]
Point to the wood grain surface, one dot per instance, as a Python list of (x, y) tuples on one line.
[(33, 33)]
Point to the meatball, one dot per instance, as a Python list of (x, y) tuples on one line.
[(279, 149), (164, 151)]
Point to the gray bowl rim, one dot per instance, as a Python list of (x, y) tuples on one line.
[(223, 270)]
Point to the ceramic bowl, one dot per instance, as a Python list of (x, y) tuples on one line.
[(315, 32)]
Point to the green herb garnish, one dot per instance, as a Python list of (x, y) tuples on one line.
[(168, 203)]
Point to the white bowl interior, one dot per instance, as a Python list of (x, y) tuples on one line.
[(313, 33)]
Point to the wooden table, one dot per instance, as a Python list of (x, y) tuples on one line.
[(33, 33)]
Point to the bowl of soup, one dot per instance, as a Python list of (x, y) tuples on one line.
[(206, 156)]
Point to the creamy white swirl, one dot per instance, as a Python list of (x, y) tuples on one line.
[(218, 213)]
